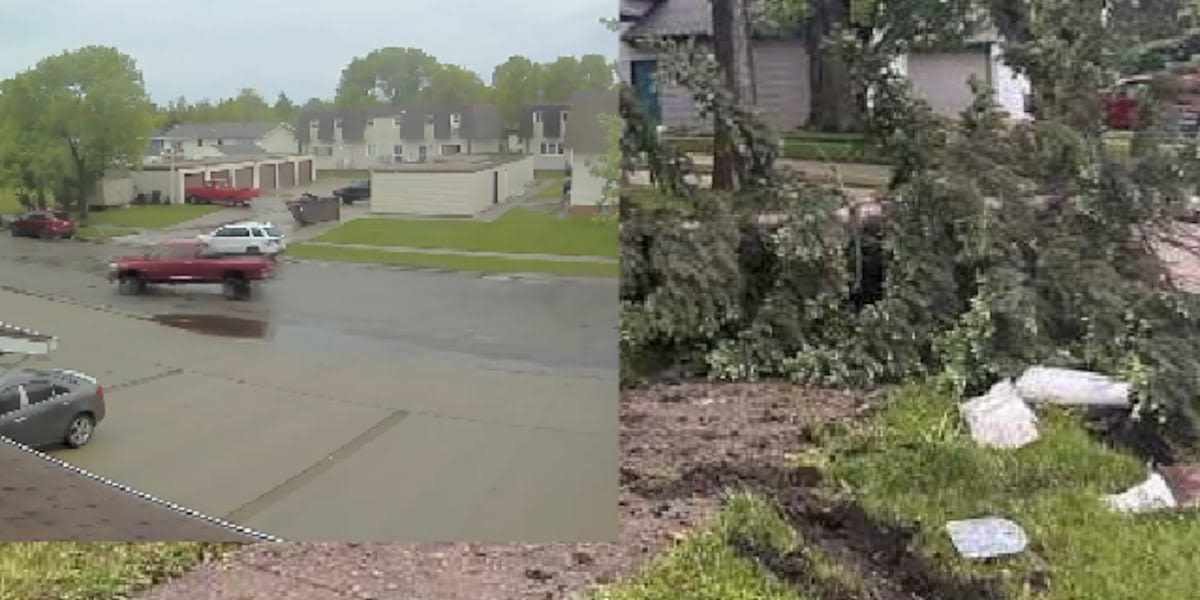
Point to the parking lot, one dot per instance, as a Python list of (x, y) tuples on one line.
[(344, 401)]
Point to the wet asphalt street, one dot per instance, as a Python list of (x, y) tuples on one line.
[(512, 323), (344, 401)]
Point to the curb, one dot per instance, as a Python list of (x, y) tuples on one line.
[(246, 531)]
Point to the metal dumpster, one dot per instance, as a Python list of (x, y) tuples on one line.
[(309, 209)]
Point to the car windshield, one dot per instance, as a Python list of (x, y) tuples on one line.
[(272, 231), (62, 215)]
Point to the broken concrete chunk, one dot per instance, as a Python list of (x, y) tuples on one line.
[(987, 537), (1071, 387), (1184, 481), (1148, 496), (1000, 419)]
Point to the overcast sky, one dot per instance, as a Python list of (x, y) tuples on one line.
[(212, 49)]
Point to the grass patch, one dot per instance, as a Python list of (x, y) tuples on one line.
[(548, 174), (333, 174), (518, 231), (93, 571), (8, 202), (916, 464), (154, 216), (550, 191), (103, 232), (455, 262), (704, 566)]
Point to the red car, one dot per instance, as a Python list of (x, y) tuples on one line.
[(217, 191), (45, 224), (185, 261)]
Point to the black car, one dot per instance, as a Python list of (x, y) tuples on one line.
[(359, 190)]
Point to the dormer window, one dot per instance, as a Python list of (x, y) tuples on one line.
[(537, 117), (337, 123), (314, 124), (429, 119), (564, 116), (455, 120)]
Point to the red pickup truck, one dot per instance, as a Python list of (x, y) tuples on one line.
[(216, 191), (185, 261)]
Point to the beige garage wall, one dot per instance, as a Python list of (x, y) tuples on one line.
[(148, 181), (430, 193), (515, 176)]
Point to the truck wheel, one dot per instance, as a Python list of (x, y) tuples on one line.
[(230, 202), (130, 285), (235, 288), (190, 199)]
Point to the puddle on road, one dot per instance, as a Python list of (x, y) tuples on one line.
[(217, 325)]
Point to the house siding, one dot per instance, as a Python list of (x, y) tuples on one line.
[(280, 140), (941, 78), (431, 193), (586, 188)]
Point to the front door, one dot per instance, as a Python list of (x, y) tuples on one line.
[(422, 152), (495, 187), (645, 87)]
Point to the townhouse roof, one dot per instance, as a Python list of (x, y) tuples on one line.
[(551, 119), (478, 122), (230, 130), (19, 340), (585, 132)]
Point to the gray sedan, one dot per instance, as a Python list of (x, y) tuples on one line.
[(43, 408)]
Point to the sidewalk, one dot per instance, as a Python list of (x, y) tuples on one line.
[(411, 249)]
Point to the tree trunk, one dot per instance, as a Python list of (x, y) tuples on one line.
[(833, 106), (732, 47)]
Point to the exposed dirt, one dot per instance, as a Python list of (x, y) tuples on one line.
[(682, 445)]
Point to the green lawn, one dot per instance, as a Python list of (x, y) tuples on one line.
[(97, 232), (704, 566), (918, 465), (151, 216), (92, 571), (547, 174), (518, 231), (457, 262)]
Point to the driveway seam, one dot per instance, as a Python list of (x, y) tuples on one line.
[(252, 508)]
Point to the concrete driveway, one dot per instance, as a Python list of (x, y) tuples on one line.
[(345, 401)]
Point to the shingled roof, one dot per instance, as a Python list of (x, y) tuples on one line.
[(479, 122), (19, 340), (585, 133), (551, 119), (45, 498), (226, 130)]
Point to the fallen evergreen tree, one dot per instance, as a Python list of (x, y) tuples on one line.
[(1001, 245)]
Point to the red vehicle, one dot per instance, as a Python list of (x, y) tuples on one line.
[(218, 191), (43, 224), (1123, 102), (185, 261)]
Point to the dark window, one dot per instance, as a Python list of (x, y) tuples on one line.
[(273, 232), (62, 215), (10, 400), (59, 390), (38, 391), (230, 232)]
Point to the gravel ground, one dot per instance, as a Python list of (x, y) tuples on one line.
[(687, 437)]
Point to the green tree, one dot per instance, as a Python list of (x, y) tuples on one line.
[(608, 167), (284, 109), (451, 85), (596, 72), (88, 107), (515, 83), (29, 164), (560, 78), (248, 105), (391, 75)]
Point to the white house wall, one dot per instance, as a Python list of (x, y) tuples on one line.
[(280, 140), (586, 188), (1011, 88), (941, 78), (430, 193)]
